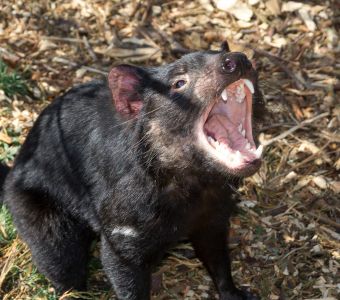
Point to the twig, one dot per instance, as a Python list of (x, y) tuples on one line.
[(292, 251), (64, 61), (57, 38), (73, 64), (293, 129), (186, 262), (121, 3), (287, 210), (311, 157), (276, 210), (327, 298), (89, 48), (333, 137), (325, 220), (308, 159), (264, 128), (269, 55), (90, 69), (282, 64), (332, 233)]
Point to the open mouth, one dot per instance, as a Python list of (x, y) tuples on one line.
[(227, 128)]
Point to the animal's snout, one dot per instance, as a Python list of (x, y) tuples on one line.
[(236, 62)]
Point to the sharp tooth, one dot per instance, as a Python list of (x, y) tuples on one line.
[(250, 85), (219, 147), (224, 95), (258, 151), (238, 154), (240, 128), (240, 94), (243, 132), (210, 139), (248, 146)]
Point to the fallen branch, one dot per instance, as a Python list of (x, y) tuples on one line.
[(332, 233), (310, 158), (293, 129), (282, 64), (293, 251), (325, 220), (89, 48), (74, 65)]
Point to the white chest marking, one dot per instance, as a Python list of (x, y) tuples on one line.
[(125, 230)]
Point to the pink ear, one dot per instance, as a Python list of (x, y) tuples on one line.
[(123, 83)]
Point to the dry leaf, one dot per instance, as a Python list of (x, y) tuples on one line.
[(274, 6), (253, 2), (337, 164), (2, 95), (5, 138), (307, 146), (307, 19), (207, 5), (225, 4), (289, 177), (335, 186), (302, 183), (241, 11), (320, 181), (238, 9), (10, 58), (291, 6)]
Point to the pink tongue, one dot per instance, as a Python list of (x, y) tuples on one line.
[(217, 129), (224, 131), (236, 112)]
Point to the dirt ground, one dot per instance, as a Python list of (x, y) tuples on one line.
[(285, 239)]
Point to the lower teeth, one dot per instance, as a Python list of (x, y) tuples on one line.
[(210, 139)]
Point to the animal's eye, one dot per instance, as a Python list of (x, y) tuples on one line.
[(179, 83)]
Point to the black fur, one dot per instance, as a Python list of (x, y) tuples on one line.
[(3, 173), (84, 170)]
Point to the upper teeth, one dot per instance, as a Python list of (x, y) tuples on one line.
[(258, 151), (238, 154), (240, 93), (225, 95), (210, 139), (250, 85)]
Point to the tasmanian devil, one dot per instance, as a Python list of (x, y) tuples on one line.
[(142, 160)]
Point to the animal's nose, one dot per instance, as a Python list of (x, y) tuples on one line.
[(236, 62)]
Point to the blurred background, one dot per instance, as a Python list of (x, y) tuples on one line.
[(285, 239)]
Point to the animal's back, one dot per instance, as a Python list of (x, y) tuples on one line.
[(51, 162)]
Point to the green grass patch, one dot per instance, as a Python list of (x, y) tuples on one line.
[(7, 230), (9, 151), (11, 82)]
